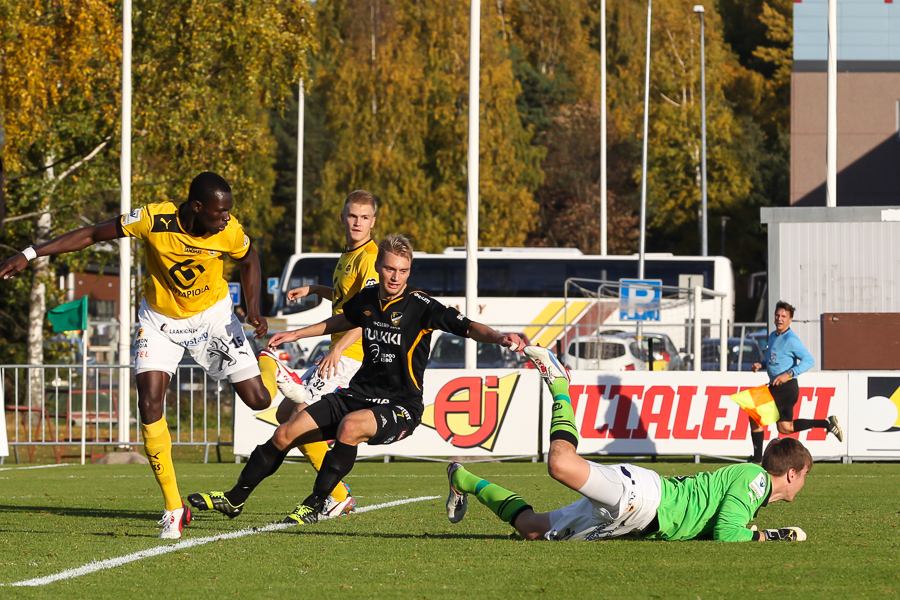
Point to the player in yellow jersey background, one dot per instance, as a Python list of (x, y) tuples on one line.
[(354, 271), (185, 306)]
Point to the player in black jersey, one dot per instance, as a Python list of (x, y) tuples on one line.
[(383, 403)]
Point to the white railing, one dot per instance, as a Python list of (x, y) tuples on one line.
[(45, 406), (694, 319)]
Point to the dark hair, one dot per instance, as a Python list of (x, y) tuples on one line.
[(208, 186), (362, 197), (395, 244), (782, 304), (783, 454)]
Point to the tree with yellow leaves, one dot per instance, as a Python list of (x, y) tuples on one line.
[(206, 75)]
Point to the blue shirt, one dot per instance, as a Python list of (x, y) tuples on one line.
[(785, 352)]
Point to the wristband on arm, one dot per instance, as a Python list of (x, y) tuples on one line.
[(29, 253)]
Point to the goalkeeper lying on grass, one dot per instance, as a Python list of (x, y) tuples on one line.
[(625, 499)]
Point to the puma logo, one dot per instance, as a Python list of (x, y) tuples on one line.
[(154, 462), (164, 224)]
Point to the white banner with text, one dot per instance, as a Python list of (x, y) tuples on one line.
[(635, 413), (474, 413), (504, 412)]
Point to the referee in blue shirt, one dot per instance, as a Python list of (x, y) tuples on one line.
[(785, 358)]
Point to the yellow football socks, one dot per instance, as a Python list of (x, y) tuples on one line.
[(315, 454), (158, 448), (268, 368)]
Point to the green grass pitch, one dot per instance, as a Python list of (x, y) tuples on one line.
[(59, 519)]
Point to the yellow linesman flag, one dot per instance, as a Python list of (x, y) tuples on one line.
[(759, 404)]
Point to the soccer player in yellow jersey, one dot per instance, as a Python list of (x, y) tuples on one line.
[(186, 305), (354, 271)]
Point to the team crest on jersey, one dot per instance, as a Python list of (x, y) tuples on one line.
[(370, 282), (395, 318), (133, 217), (368, 313), (758, 486), (347, 270)]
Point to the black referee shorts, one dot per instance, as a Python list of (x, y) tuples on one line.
[(786, 396)]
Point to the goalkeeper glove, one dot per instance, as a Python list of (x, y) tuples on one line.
[(785, 534)]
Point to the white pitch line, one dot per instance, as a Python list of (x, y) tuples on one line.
[(94, 566), (34, 467)]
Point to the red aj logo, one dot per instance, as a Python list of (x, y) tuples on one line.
[(468, 411)]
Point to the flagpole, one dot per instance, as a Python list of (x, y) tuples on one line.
[(84, 353), (84, 375), (472, 172), (125, 259), (73, 316)]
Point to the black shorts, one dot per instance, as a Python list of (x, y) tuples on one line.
[(395, 422), (786, 396)]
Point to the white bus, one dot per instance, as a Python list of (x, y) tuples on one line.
[(525, 289)]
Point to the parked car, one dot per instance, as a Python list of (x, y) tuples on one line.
[(449, 352), (761, 337), (293, 354), (740, 356), (318, 350), (665, 355), (523, 361), (66, 349), (605, 353)]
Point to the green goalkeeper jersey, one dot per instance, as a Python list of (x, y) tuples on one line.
[(715, 505)]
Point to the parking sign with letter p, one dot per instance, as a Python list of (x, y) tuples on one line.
[(639, 299)]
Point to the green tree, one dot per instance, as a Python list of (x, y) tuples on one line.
[(570, 195), (394, 80), (558, 68), (674, 140), (776, 54)]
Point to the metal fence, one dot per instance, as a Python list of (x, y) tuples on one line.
[(51, 405), (46, 406)]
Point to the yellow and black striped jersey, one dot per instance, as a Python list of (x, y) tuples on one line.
[(354, 271), (186, 272)]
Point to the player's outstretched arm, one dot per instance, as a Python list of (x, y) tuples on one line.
[(308, 290), (785, 534), (330, 325), (251, 276), (68, 242), (328, 365), (482, 333)]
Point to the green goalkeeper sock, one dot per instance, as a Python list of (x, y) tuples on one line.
[(503, 503), (562, 422)]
